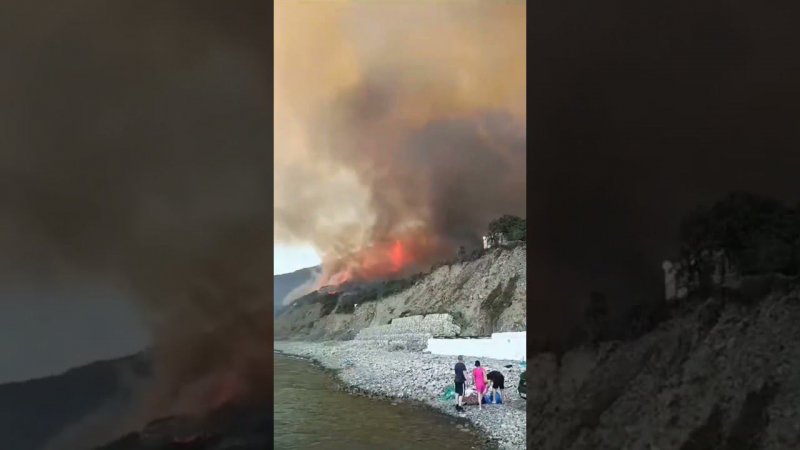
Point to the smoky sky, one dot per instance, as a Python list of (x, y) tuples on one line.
[(136, 152), (398, 120), (640, 112)]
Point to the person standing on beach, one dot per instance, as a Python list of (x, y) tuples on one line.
[(481, 382), (498, 383), (460, 380)]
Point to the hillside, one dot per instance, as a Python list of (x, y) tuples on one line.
[(35, 411), (230, 427), (287, 282), (720, 374), (484, 295)]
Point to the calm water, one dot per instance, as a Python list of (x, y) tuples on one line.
[(310, 413)]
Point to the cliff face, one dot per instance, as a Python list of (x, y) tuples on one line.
[(484, 296), (721, 375)]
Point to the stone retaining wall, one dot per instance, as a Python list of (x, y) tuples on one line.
[(437, 325), (410, 333)]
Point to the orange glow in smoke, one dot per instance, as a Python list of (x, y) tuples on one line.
[(392, 259), (398, 256), (227, 389)]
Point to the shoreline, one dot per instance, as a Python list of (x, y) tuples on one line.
[(490, 444), (418, 379)]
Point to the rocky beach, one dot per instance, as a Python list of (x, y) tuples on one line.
[(420, 377)]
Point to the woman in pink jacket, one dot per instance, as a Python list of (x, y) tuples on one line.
[(481, 383)]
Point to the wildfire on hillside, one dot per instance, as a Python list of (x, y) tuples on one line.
[(389, 259), (394, 152)]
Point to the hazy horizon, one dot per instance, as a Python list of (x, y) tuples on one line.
[(65, 328), (291, 258)]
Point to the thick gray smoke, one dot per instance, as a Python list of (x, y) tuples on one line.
[(307, 287), (397, 121), (136, 148)]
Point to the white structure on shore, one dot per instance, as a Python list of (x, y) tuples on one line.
[(678, 283), (508, 346), (499, 239), (437, 333), (672, 288)]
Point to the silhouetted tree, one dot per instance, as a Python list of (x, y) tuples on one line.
[(757, 234), (512, 228)]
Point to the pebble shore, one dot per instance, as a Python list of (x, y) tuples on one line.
[(419, 377)]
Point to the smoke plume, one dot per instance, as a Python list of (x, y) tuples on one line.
[(305, 288), (399, 128), (135, 148)]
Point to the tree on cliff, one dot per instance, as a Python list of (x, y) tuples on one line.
[(757, 234), (512, 228)]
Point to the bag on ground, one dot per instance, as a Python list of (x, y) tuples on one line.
[(471, 398), (449, 393), (498, 398)]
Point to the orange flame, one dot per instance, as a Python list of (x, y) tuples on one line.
[(398, 256), (391, 259)]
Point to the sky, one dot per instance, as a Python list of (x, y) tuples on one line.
[(135, 181), (289, 258), (52, 330), (396, 122), (118, 160)]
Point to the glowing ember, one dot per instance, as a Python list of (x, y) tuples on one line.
[(186, 440)]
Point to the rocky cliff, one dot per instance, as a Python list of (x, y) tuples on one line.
[(483, 295), (720, 374)]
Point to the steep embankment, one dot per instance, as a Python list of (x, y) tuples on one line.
[(721, 375), (285, 283), (484, 295)]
